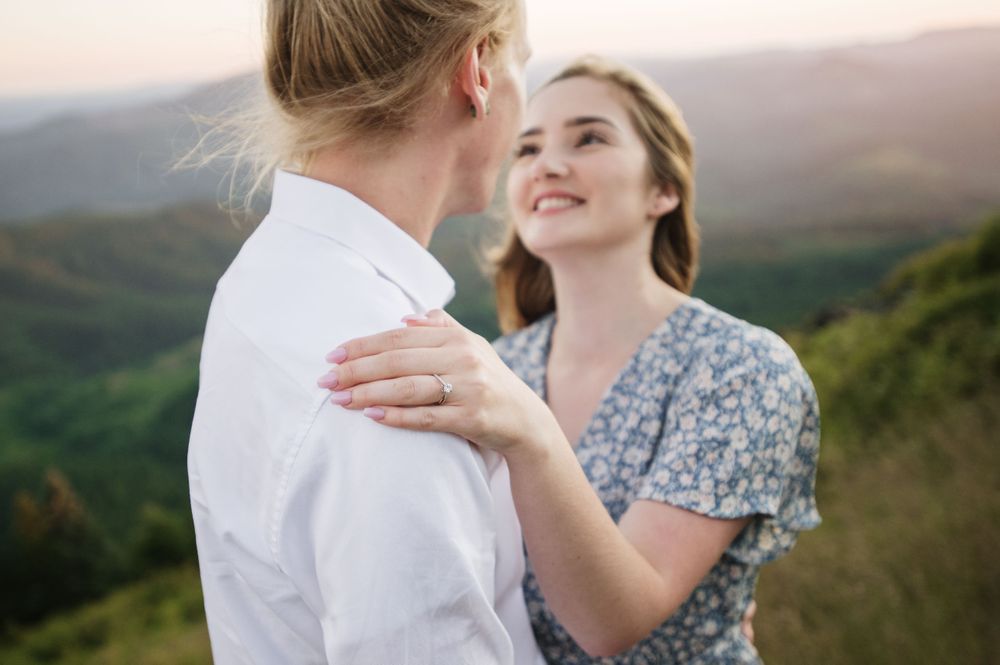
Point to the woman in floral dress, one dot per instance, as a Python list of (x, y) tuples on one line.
[(660, 450)]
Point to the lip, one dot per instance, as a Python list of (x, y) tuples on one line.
[(554, 193)]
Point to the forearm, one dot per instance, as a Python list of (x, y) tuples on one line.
[(601, 588)]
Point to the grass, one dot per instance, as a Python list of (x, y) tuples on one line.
[(160, 621), (903, 568)]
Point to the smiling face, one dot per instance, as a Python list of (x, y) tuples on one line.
[(581, 177)]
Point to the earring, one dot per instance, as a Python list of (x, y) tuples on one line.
[(472, 107)]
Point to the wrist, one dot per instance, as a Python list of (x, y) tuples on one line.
[(538, 442)]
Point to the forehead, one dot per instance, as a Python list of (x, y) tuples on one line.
[(575, 97)]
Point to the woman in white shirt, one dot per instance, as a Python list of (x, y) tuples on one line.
[(323, 537)]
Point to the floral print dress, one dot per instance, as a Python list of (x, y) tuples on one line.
[(711, 414)]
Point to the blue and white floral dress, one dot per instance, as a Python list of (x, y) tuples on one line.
[(711, 414)]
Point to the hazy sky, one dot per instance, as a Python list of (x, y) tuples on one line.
[(80, 45)]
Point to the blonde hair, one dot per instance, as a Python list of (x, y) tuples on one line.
[(524, 289), (353, 71)]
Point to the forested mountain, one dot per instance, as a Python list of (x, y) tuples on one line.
[(901, 571), (896, 135)]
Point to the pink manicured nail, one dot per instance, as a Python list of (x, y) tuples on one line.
[(374, 413), (328, 380), (338, 355), (342, 397), (413, 317)]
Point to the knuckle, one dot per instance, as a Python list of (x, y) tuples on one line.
[(357, 348), (478, 421), (467, 357), (393, 364), (478, 380), (396, 337), (426, 419), (408, 388)]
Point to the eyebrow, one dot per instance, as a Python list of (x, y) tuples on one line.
[(572, 122)]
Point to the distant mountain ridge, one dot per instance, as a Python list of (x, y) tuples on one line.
[(19, 112), (900, 134)]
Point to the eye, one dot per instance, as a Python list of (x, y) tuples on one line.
[(590, 137), (525, 149)]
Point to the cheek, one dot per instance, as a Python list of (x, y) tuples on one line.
[(625, 186), (516, 187), (512, 100)]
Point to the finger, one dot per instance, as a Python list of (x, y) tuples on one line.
[(397, 338), (407, 391), (421, 418), (390, 365), (746, 624), (435, 318)]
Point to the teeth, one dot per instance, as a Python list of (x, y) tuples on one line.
[(553, 202)]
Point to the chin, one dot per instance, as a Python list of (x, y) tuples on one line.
[(475, 200), (557, 245), (545, 245)]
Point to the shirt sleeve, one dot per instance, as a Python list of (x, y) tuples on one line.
[(741, 439), (400, 530)]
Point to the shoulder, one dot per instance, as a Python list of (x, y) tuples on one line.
[(725, 348), (296, 299), (527, 346)]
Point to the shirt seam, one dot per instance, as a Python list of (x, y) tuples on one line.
[(293, 443)]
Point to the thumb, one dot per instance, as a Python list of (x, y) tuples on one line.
[(434, 318)]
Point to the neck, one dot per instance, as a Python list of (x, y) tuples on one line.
[(410, 185), (607, 301)]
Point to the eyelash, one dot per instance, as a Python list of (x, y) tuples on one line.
[(522, 150), (588, 137)]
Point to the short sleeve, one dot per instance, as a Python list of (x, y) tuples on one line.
[(741, 438), (397, 532)]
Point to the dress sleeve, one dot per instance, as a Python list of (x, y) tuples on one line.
[(741, 438)]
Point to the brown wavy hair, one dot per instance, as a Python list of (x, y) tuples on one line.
[(524, 289)]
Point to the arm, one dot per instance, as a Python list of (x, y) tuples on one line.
[(397, 530), (608, 584)]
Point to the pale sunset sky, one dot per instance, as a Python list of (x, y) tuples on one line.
[(71, 46)]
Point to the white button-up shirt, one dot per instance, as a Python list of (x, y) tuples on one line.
[(325, 537)]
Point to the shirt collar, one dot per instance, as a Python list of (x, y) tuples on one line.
[(337, 214)]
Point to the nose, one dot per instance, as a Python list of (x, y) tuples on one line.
[(548, 164)]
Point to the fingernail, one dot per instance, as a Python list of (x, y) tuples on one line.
[(342, 397), (338, 355), (328, 380), (374, 413), (413, 317)]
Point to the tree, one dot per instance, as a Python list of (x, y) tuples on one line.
[(61, 556)]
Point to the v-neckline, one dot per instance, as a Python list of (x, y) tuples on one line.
[(667, 324)]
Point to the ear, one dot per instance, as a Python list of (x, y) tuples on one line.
[(665, 200), (474, 80)]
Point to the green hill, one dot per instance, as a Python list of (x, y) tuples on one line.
[(160, 621), (82, 294), (902, 569)]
